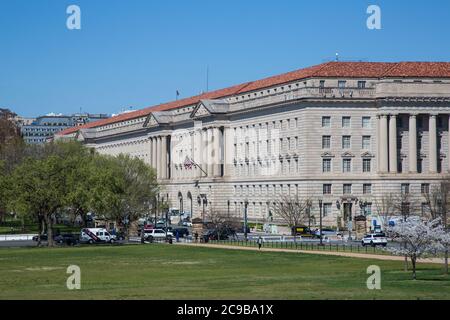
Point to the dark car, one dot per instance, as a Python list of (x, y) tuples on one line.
[(302, 231), (182, 232), (43, 238), (67, 239), (215, 234)]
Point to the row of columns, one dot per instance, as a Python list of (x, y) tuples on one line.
[(159, 156), (208, 151), (388, 143)]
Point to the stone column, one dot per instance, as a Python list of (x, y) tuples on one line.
[(158, 157), (448, 154), (210, 155), (228, 143), (216, 153), (150, 146), (204, 155), (378, 143), (432, 143), (393, 143), (164, 157), (413, 143), (198, 145), (154, 154), (384, 150)]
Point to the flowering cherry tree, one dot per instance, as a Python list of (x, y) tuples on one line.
[(443, 239), (419, 239)]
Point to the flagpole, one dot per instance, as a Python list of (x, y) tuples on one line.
[(196, 164)]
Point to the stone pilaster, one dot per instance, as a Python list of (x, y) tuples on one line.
[(413, 143)]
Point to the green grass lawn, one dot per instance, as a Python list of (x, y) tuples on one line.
[(161, 271)]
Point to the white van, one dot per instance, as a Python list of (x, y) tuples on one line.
[(96, 235)]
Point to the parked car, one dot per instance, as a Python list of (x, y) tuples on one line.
[(156, 234), (325, 233), (213, 234), (67, 239), (182, 232), (302, 231), (374, 239), (118, 236), (186, 224), (44, 237), (96, 235)]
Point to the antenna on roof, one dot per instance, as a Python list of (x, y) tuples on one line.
[(337, 56), (207, 78)]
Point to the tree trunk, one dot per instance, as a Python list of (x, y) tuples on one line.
[(49, 222), (446, 262), (406, 258), (413, 261), (41, 230)]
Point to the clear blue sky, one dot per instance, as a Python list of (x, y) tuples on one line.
[(139, 52)]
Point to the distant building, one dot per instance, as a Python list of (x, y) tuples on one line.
[(342, 133), (22, 121), (43, 128)]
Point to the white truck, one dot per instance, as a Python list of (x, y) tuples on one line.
[(156, 234), (96, 235), (374, 239)]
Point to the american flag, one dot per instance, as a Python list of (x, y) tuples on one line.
[(188, 163)]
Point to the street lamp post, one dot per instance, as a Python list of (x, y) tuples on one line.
[(320, 222), (245, 220), (309, 215)]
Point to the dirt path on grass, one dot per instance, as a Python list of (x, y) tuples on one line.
[(326, 253)]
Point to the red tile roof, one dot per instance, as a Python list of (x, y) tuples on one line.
[(325, 70)]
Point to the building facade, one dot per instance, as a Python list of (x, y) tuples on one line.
[(345, 133), (41, 129)]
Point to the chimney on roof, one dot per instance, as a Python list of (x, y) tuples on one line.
[(337, 56)]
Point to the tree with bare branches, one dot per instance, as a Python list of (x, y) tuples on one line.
[(405, 205), (385, 208), (222, 222), (293, 210), (437, 203)]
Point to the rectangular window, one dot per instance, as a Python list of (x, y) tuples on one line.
[(361, 84), (345, 122), (367, 209), (405, 188), (367, 188), (326, 165), (366, 142), (341, 84), (367, 165), (326, 142), (346, 142), (327, 209), (327, 189), (322, 84), (347, 189), (425, 188), (366, 122), (346, 165), (326, 122)]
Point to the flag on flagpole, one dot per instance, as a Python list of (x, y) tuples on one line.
[(188, 163)]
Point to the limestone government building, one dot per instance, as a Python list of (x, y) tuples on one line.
[(341, 132)]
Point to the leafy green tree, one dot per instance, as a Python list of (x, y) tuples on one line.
[(3, 188), (39, 188), (128, 189)]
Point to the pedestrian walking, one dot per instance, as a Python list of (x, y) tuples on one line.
[(177, 236), (196, 237), (260, 241)]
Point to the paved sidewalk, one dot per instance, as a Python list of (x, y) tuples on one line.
[(327, 253)]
